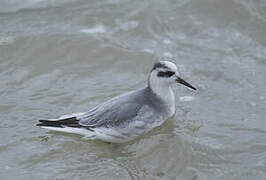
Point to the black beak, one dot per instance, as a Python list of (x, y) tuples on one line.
[(182, 81)]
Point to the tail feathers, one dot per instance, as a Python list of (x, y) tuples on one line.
[(68, 122)]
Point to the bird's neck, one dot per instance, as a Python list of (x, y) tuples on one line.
[(164, 92)]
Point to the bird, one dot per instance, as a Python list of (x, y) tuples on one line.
[(127, 116)]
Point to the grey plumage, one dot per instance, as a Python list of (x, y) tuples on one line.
[(127, 116), (124, 109)]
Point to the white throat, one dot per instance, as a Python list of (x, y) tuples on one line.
[(165, 92)]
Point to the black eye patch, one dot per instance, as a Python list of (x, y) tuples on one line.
[(165, 74)]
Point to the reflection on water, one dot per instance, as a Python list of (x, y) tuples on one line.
[(60, 57)]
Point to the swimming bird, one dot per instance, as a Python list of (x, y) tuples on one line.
[(125, 117)]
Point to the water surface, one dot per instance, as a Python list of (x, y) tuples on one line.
[(65, 56)]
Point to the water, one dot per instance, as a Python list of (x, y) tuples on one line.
[(65, 56)]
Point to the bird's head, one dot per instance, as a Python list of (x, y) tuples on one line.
[(165, 73)]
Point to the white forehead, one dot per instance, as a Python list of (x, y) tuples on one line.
[(170, 65)]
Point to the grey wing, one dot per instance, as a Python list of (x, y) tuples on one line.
[(110, 114)]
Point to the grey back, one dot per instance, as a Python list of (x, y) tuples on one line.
[(123, 109)]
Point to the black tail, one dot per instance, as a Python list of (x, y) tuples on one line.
[(69, 122)]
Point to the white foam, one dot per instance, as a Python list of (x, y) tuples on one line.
[(168, 54), (262, 97), (253, 104), (186, 98), (5, 40), (167, 41), (94, 30), (148, 50)]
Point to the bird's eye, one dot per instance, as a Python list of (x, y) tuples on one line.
[(165, 74)]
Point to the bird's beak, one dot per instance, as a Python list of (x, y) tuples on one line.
[(182, 81)]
